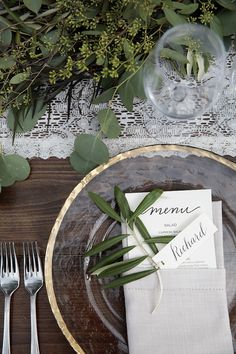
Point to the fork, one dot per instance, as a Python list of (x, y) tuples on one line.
[(9, 282), (33, 280)]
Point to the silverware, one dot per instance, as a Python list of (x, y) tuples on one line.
[(33, 280), (9, 282)]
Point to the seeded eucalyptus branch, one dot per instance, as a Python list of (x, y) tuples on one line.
[(110, 265), (47, 46)]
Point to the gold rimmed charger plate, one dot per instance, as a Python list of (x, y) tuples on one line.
[(157, 149)]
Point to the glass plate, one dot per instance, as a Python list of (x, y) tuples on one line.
[(93, 320)]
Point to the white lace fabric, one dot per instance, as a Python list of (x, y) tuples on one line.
[(215, 130)]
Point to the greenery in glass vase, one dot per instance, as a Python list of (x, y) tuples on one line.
[(48, 46)]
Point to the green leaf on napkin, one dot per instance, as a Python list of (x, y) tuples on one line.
[(159, 239), (128, 278), (145, 234)]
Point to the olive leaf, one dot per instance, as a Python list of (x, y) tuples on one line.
[(122, 203), (145, 234), (119, 267), (109, 123), (112, 257), (159, 239), (26, 118), (185, 9), (104, 206), (230, 5), (216, 26), (147, 201), (104, 245), (128, 278)]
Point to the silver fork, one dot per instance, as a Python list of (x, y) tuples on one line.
[(33, 279), (9, 282)]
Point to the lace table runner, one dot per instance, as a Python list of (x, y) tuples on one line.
[(214, 130)]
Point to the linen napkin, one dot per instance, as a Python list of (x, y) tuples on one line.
[(192, 316)]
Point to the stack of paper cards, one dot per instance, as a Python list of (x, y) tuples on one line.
[(187, 214)]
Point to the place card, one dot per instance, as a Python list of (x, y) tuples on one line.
[(186, 243), (170, 215)]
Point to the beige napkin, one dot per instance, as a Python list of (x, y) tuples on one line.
[(192, 317)]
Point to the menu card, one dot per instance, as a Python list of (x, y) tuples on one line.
[(170, 215)]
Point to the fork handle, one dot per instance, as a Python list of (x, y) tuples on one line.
[(6, 349), (34, 349)]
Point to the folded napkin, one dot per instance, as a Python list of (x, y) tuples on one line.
[(193, 314)]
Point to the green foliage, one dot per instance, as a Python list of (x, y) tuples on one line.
[(106, 267), (45, 45), (13, 168), (109, 123)]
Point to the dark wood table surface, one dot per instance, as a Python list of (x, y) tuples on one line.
[(27, 212)]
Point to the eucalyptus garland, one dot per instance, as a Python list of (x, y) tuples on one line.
[(50, 45)]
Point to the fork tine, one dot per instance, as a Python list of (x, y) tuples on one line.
[(16, 268), (38, 259), (5, 257), (33, 257), (11, 269)]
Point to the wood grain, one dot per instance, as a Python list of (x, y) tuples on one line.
[(27, 212)]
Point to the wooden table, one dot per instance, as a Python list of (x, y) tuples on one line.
[(27, 212)]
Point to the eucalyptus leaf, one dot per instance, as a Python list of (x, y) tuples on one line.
[(173, 18), (80, 165), (122, 203), (91, 148), (160, 239), (147, 201), (185, 9), (105, 96), (104, 206), (228, 4), (128, 49), (112, 257), (7, 62), (126, 91), (128, 278), (216, 26), (173, 55), (17, 166), (33, 5), (6, 179), (5, 37), (120, 267), (109, 123), (228, 23), (18, 78), (106, 244), (145, 234)]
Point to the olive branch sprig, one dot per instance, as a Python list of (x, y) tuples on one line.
[(111, 265)]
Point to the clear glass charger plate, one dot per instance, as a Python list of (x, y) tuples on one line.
[(93, 319)]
